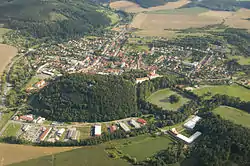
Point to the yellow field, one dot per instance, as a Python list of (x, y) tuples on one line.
[(6, 54), (135, 8), (16, 153)]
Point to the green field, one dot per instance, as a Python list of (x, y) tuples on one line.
[(146, 147), (235, 115), (190, 11), (160, 98), (2, 32), (11, 130), (84, 132), (4, 119), (241, 60), (230, 90), (87, 156)]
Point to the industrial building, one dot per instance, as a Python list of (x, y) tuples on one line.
[(134, 124), (124, 127), (192, 122), (45, 134)]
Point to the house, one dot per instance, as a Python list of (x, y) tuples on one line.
[(124, 127), (142, 121), (140, 80), (192, 122), (40, 84), (135, 124), (153, 75), (28, 118), (60, 132), (45, 134), (98, 130), (112, 128)]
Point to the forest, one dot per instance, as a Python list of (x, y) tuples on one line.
[(91, 98), (57, 19)]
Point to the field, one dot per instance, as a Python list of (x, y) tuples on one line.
[(235, 115), (230, 90), (6, 54), (16, 153), (146, 147), (4, 118), (135, 8), (84, 132), (189, 11), (2, 32), (160, 98), (11, 130), (87, 156)]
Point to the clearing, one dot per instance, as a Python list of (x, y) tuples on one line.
[(235, 115), (230, 90), (16, 153), (140, 148), (87, 156), (6, 54), (160, 98)]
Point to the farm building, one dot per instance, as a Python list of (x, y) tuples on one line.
[(28, 118), (142, 121), (192, 122), (190, 139), (45, 134), (98, 130), (135, 124), (26, 127), (124, 127), (70, 133), (60, 132)]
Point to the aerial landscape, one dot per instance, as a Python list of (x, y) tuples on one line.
[(125, 82)]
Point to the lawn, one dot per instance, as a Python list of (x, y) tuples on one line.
[(11, 130), (146, 147), (160, 98), (190, 11), (230, 90), (4, 118), (87, 156), (235, 115), (84, 132), (241, 60)]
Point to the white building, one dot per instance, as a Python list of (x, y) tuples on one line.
[(98, 130), (135, 124), (190, 139), (60, 132), (192, 122), (124, 127)]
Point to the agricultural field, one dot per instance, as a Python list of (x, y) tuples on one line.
[(6, 54), (241, 59), (84, 132), (140, 148), (160, 98), (230, 90), (11, 130), (235, 115), (189, 11), (5, 116), (16, 153), (86, 156), (2, 32)]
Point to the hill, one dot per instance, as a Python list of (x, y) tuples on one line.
[(91, 98), (56, 18)]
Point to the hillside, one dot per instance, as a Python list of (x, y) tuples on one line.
[(56, 18), (92, 98)]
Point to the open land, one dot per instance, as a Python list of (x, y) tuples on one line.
[(2, 32), (235, 115), (6, 54), (11, 130), (232, 90), (89, 156), (241, 59), (160, 98), (135, 8), (140, 149), (17, 153)]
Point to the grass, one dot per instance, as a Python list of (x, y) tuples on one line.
[(11, 130), (2, 32), (87, 156), (235, 115), (84, 132), (160, 98), (230, 90), (191, 11), (241, 60), (111, 15), (146, 147), (4, 119)]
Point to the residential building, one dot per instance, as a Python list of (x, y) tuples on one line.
[(45, 134), (98, 130), (135, 124)]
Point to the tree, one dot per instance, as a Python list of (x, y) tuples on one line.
[(174, 99)]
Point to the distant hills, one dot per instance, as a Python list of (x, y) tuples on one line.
[(52, 18)]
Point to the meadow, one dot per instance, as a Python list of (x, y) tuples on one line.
[(86, 156), (2, 32), (230, 90), (189, 11), (10, 153), (146, 147), (11, 130), (241, 59), (6, 54), (160, 98), (235, 115), (5, 116)]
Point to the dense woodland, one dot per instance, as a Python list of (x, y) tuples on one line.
[(92, 98), (57, 19)]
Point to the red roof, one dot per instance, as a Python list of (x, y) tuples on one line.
[(112, 128), (142, 121), (27, 118)]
